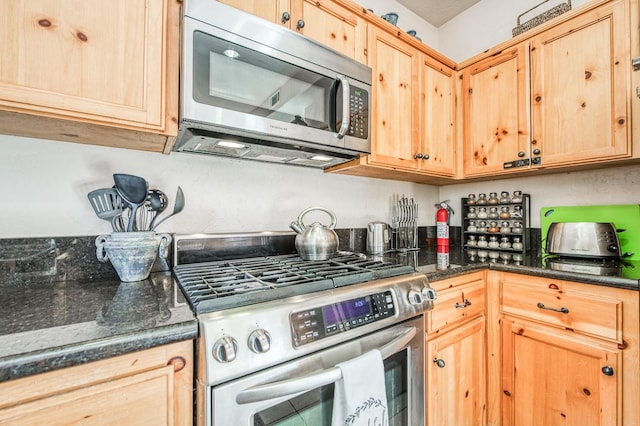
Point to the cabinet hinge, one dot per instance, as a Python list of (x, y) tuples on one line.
[(635, 63)]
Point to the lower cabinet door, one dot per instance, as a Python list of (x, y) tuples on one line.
[(552, 378), (455, 376)]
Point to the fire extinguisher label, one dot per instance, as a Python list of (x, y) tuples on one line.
[(442, 231)]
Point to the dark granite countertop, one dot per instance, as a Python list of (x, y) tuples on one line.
[(50, 325), (460, 262), (55, 324)]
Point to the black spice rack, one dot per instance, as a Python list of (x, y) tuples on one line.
[(505, 236)]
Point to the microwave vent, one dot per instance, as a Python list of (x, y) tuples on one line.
[(275, 98)]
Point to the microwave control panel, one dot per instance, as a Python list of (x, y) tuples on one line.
[(359, 119), (314, 324)]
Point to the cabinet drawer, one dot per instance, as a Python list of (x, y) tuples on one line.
[(456, 305), (552, 303)]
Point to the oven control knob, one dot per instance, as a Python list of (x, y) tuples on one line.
[(225, 349), (259, 341), (429, 293)]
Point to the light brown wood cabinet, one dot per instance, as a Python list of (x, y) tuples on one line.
[(495, 113), (577, 342), (109, 69), (150, 387), (455, 353), (558, 99), (579, 89), (412, 113), (327, 22)]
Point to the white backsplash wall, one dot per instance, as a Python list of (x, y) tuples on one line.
[(614, 185), (45, 186)]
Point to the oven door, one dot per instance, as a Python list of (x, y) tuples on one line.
[(300, 392)]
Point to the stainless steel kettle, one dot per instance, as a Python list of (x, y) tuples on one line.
[(378, 237), (316, 241)]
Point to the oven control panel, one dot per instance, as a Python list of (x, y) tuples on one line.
[(317, 323)]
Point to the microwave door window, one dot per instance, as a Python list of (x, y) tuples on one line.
[(236, 78)]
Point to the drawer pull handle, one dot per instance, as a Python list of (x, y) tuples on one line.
[(439, 362), (461, 306), (562, 310)]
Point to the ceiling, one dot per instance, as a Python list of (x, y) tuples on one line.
[(437, 12)]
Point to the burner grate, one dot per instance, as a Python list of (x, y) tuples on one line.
[(211, 286)]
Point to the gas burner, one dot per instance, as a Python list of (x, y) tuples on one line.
[(211, 286)]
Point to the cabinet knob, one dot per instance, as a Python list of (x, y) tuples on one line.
[(439, 362), (521, 154), (425, 157), (299, 24), (607, 370), (285, 17), (536, 151), (418, 156)]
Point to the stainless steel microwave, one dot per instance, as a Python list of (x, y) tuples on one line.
[(252, 89)]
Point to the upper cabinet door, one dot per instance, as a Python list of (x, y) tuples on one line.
[(92, 60), (437, 113), (395, 118), (277, 11), (495, 114), (579, 89), (332, 25)]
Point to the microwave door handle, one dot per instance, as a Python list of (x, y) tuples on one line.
[(304, 384), (346, 112)]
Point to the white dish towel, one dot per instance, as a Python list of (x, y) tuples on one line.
[(360, 398)]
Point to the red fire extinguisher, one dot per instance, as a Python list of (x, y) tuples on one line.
[(442, 234)]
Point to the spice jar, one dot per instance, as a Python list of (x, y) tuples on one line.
[(482, 200), (504, 227), (517, 197), (505, 243), (493, 242), (472, 227), (482, 241), (482, 255), (494, 255), (471, 201), (517, 212), (493, 213), (482, 226), (493, 198), (493, 227), (517, 228), (504, 197), (471, 242), (505, 257), (505, 213), (471, 214), (517, 244), (482, 213)]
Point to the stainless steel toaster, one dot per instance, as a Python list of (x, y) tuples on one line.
[(583, 239)]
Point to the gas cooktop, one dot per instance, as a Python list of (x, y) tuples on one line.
[(212, 285)]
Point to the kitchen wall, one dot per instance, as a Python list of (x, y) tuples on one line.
[(45, 186), (486, 24), (407, 20), (44, 183)]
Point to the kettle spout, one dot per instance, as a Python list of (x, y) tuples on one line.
[(296, 227)]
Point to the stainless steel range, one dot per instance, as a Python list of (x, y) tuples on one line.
[(273, 328)]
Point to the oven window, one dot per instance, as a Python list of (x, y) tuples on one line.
[(314, 408), (236, 78)]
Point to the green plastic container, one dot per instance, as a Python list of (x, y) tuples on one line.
[(624, 216)]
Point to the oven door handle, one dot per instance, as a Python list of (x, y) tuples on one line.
[(304, 384)]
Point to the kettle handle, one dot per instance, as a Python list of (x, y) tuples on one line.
[(329, 212)]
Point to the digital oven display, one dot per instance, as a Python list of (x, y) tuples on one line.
[(346, 311), (323, 321)]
